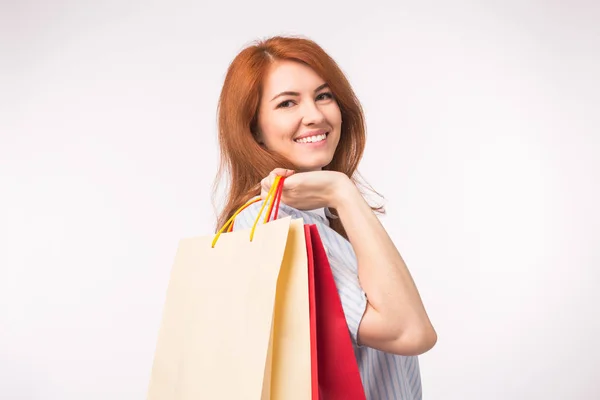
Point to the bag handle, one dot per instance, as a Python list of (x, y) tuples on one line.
[(269, 211), (273, 199)]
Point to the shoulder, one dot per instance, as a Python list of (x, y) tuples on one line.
[(246, 218)]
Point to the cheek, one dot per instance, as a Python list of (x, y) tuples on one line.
[(334, 115), (280, 129)]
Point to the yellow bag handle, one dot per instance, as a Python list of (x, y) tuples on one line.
[(270, 197)]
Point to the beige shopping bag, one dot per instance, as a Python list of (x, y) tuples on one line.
[(235, 323), (288, 369)]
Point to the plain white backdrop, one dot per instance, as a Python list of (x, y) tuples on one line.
[(483, 136)]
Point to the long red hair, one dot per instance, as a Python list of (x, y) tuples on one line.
[(244, 161)]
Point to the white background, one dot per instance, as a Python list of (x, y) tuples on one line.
[(483, 122)]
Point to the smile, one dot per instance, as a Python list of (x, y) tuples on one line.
[(312, 139)]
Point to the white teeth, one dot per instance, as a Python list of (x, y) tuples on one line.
[(312, 139)]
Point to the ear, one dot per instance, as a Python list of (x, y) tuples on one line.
[(258, 137)]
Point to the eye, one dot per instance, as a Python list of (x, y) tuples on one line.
[(285, 104), (325, 96)]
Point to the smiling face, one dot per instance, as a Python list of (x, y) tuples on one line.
[(298, 117)]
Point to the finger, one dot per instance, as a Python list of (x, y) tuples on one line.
[(282, 172), (266, 183), (266, 186), (271, 178), (263, 194)]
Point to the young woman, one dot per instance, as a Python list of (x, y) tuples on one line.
[(287, 109)]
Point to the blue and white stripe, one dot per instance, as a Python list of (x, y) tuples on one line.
[(385, 376)]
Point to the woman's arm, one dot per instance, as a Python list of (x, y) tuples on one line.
[(395, 320)]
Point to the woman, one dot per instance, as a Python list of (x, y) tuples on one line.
[(287, 109)]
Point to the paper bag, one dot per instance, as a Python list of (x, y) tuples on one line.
[(235, 323), (335, 372), (290, 358)]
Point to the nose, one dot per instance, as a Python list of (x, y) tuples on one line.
[(312, 115)]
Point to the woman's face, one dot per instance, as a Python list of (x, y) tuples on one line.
[(298, 117)]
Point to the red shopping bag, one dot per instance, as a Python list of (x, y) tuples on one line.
[(335, 373)]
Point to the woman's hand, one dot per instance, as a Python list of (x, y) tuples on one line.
[(307, 190)]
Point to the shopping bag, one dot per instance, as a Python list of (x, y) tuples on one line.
[(335, 372), (235, 322), (289, 350), (313, 316)]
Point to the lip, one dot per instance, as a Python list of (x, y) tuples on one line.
[(311, 133)]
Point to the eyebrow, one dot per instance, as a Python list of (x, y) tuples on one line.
[(288, 93)]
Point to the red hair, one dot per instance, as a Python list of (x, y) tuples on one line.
[(241, 156)]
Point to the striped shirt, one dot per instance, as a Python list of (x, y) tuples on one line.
[(384, 376)]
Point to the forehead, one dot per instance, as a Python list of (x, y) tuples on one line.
[(290, 76)]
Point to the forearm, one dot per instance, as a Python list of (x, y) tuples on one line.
[(396, 318)]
